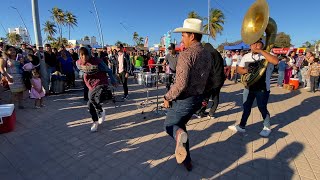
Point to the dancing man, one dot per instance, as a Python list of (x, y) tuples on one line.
[(260, 90), (96, 79), (192, 73)]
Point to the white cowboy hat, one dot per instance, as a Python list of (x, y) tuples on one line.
[(191, 25)]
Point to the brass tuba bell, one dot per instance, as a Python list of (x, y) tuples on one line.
[(255, 23)]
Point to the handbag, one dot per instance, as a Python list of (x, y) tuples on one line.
[(4, 82)]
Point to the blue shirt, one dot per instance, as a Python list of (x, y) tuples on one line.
[(228, 61), (66, 65), (282, 66)]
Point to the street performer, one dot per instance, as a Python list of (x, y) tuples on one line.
[(259, 90), (96, 79), (192, 73)]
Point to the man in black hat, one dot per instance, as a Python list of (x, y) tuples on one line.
[(123, 68)]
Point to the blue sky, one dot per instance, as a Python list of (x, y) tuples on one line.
[(152, 18)]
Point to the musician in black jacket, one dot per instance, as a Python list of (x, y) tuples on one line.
[(214, 83), (123, 68)]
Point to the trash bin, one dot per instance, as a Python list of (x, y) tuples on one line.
[(7, 118), (58, 83)]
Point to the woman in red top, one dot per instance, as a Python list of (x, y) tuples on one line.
[(151, 61)]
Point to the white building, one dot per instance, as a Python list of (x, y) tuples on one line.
[(92, 42), (22, 32)]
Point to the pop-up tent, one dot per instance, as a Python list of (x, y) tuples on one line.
[(241, 45)]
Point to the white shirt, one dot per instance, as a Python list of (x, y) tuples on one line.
[(234, 64), (120, 60), (248, 58)]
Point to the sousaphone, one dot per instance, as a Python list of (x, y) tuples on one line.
[(255, 23)]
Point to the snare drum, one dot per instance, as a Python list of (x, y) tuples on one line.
[(162, 78), (140, 78), (150, 79)]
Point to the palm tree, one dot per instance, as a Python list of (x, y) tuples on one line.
[(118, 43), (86, 38), (59, 17), (135, 37), (14, 38), (71, 20), (215, 22), (193, 14), (140, 41), (50, 30)]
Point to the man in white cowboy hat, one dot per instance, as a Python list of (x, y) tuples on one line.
[(192, 72)]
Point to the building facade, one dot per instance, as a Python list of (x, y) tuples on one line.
[(22, 32)]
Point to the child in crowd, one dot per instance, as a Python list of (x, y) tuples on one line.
[(281, 69), (314, 71), (37, 92)]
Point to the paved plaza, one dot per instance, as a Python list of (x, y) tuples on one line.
[(55, 142)]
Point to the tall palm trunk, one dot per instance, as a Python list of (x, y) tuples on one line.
[(69, 32)]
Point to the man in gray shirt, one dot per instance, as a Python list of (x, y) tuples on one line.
[(170, 62)]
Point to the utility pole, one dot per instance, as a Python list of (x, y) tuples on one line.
[(38, 39), (23, 23), (208, 20), (95, 8), (97, 26)]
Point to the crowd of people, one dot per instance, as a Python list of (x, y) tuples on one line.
[(301, 66)]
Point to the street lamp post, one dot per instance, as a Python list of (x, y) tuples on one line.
[(23, 23), (208, 20), (97, 26), (38, 39), (95, 9)]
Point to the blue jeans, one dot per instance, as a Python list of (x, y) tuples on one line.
[(179, 115), (280, 77), (262, 101)]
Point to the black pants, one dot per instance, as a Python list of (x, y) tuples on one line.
[(85, 91), (214, 94), (124, 81), (314, 83), (95, 100)]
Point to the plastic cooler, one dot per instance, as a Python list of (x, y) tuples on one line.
[(294, 82), (7, 118)]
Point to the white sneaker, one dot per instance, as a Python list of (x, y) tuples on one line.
[(306, 88), (237, 128), (103, 117), (265, 132), (94, 127)]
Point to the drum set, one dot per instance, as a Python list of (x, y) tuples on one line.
[(150, 80)]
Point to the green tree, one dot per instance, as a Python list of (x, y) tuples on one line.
[(307, 44), (86, 38), (135, 37), (282, 40), (215, 22), (58, 17), (50, 30), (140, 41), (71, 20), (14, 38), (193, 14), (118, 43)]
